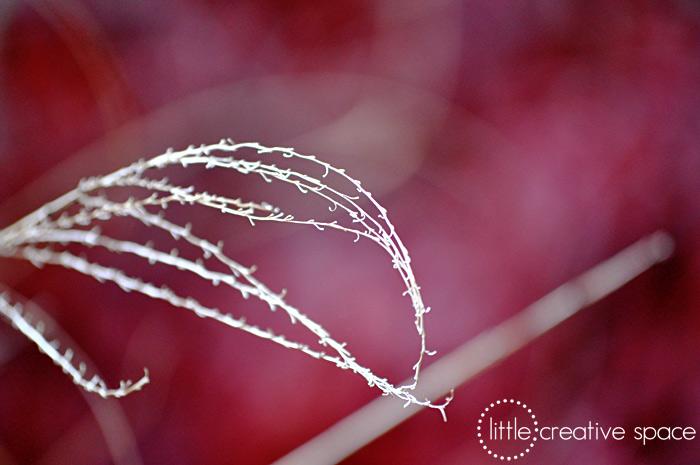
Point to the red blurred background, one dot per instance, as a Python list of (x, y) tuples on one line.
[(514, 144)]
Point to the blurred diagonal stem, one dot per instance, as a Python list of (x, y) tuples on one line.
[(483, 351)]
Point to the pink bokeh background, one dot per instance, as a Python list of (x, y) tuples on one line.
[(514, 144)]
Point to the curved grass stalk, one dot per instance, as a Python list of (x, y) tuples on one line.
[(110, 417), (42, 237)]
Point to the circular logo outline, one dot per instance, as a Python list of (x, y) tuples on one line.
[(500, 456)]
